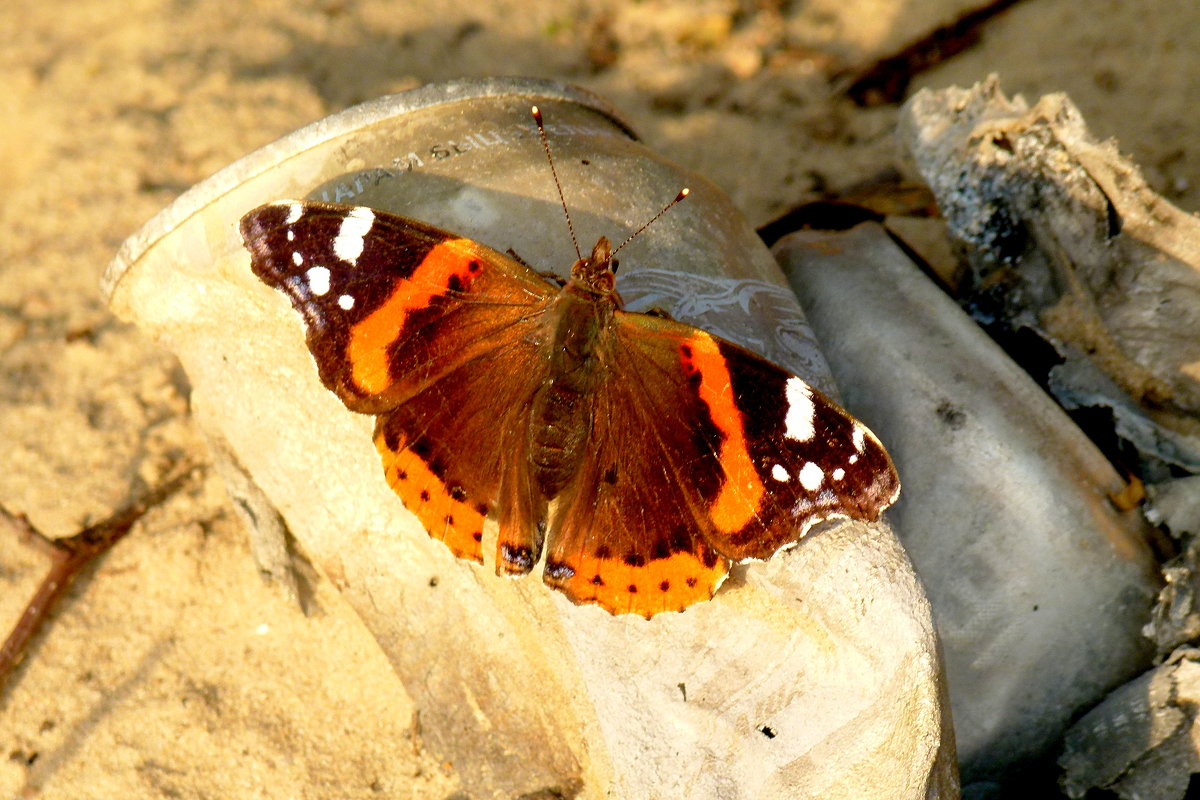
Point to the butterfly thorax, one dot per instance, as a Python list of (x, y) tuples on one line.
[(561, 421)]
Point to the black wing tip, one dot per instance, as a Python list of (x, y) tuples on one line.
[(258, 227), (266, 209), (255, 225)]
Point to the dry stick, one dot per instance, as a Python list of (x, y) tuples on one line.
[(68, 558), (886, 79)]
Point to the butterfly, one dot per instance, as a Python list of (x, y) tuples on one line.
[(639, 456)]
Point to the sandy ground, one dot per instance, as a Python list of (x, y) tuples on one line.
[(172, 671)]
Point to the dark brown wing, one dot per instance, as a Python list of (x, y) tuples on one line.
[(438, 335), (455, 453)]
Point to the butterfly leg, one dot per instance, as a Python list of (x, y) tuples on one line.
[(552, 277), (515, 257)]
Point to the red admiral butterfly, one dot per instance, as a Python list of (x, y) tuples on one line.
[(667, 452)]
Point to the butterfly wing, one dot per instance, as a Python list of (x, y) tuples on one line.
[(455, 453), (437, 335), (703, 453), (390, 304)]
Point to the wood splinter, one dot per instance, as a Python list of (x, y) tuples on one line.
[(69, 556)]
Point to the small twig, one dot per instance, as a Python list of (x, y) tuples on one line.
[(886, 79), (69, 556)]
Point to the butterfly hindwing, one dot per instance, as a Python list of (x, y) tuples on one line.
[(624, 535), (447, 452)]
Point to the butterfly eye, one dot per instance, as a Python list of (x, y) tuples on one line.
[(614, 263)]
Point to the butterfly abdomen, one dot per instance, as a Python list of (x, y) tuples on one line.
[(561, 421)]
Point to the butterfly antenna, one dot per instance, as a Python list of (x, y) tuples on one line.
[(537, 117), (679, 197)]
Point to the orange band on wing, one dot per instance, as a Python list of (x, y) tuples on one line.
[(373, 336), (666, 584), (741, 493), (453, 521)]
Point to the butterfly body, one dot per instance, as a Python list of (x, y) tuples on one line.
[(641, 454), (582, 316)]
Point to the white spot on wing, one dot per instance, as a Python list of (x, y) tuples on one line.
[(318, 280), (348, 244), (859, 433), (780, 474), (839, 473), (346, 302), (297, 259), (291, 235), (811, 476), (295, 211), (798, 424), (853, 459)]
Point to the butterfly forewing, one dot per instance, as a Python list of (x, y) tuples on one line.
[(812, 461), (390, 304)]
